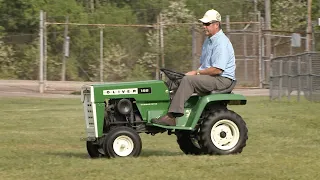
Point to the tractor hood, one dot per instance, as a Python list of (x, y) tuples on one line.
[(152, 90)]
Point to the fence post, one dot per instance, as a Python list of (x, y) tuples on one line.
[(261, 79), (263, 63), (289, 80), (41, 84), (228, 25), (310, 78), (299, 78), (245, 56), (271, 80), (281, 79)]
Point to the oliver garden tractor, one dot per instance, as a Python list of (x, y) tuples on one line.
[(115, 114)]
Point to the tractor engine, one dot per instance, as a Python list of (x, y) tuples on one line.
[(120, 112)]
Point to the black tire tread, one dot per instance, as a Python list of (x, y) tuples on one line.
[(92, 150), (185, 144), (211, 119)]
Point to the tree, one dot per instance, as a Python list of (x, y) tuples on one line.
[(7, 68), (290, 15), (178, 39)]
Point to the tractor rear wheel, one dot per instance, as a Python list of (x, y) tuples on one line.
[(188, 144), (223, 132), (122, 142), (94, 150)]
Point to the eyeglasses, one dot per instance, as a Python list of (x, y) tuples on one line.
[(208, 23)]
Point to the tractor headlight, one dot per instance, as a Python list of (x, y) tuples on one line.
[(124, 106)]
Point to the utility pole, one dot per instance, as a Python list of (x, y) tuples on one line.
[(63, 74), (268, 27), (255, 5), (92, 5), (194, 48), (157, 48), (41, 84), (161, 41), (309, 28), (267, 38), (101, 55)]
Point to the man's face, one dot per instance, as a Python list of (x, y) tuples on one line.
[(211, 28)]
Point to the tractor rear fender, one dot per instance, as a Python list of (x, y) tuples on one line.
[(230, 99)]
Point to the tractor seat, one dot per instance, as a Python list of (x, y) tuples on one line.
[(227, 90), (223, 91)]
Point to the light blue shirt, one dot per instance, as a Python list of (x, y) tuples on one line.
[(217, 51)]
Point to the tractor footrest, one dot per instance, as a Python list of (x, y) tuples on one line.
[(170, 127)]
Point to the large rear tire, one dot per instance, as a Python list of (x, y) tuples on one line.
[(122, 142), (223, 132)]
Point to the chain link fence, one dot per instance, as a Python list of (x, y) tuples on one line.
[(128, 50), (295, 75), (281, 45), (123, 52)]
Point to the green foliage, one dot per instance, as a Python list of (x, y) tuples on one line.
[(115, 66), (238, 10), (178, 39), (139, 73), (7, 61), (289, 15), (27, 67), (20, 15)]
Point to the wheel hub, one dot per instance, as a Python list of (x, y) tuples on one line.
[(123, 146), (225, 134)]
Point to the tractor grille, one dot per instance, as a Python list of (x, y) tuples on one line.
[(89, 109)]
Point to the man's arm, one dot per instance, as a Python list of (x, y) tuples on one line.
[(212, 71)]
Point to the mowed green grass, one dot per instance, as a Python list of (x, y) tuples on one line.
[(40, 139)]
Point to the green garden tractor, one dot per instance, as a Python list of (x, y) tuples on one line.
[(115, 114)]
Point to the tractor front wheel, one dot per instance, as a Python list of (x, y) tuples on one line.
[(122, 142), (223, 132)]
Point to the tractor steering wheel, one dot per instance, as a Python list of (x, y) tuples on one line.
[(172, 75)]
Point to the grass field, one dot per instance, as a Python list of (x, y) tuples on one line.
[(40, 139)]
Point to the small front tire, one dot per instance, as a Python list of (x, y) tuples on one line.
[(123, 142)]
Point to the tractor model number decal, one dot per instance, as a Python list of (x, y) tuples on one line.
[(144, 90), (121, 91)]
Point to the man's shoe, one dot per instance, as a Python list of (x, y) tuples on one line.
[(165, 120)]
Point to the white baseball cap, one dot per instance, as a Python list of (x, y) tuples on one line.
[(211, 15)]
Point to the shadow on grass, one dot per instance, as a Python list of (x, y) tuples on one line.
[(144, 153), (151, 152), (80, 155)]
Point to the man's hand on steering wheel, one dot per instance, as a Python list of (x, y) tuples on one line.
[(191, 73)]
